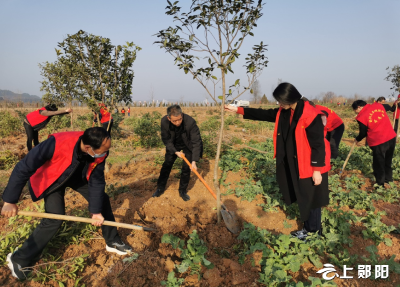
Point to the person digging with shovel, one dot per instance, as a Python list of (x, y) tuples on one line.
[(375, 124), (38, 120), (179, 131), (66, 159), (302, 153)]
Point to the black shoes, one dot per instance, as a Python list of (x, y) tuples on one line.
[(16, 269), (184, 196), (158, 192), (119, 247)]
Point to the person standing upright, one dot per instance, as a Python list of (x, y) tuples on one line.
[(302, 153), (105, 118), (375, 124), (38, 120), (179, 131)]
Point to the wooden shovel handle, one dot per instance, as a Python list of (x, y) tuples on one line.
[(202, 180), (348, 156), (82, 219)]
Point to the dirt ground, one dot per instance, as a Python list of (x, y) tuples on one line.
[(170, 214)]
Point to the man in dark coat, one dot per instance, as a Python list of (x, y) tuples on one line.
[(67, 159), (179, 131), (382, 101)]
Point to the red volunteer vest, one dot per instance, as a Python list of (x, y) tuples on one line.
[(380, 128), (333, 119), (35, 118), (302, 145), (48, 173), (105, 115), (397, 113)]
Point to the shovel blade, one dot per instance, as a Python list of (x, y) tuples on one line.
[(231, 221)]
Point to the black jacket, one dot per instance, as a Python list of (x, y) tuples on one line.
[(308, 195), (190, 136), (41, 154)]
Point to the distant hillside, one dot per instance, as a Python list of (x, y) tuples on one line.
[(10, 96)]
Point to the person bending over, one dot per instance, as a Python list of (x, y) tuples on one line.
[(179, 131), (37, 120), (375, 124), (67, 159)]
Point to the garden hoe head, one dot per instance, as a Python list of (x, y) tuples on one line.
[(229, 217)]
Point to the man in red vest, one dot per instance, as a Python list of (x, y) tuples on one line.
[(376, 126), (105, 118), (67, 159), (37, 120)]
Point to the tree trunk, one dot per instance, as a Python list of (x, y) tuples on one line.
[(216, 165), (72, 119), (109, 122)]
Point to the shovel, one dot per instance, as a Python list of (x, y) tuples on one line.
[(347, 159), (229, 217), (83, 219)]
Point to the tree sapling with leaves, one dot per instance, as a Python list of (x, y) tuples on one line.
[(91, 70), (215, 29)]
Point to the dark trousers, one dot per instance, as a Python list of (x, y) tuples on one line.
[(105, 126), (334, 137), (313, 224), (167, 167), (32, 248), (32, 136), (396, 124), (382, 156)]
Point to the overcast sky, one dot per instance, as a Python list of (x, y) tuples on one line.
[(342, 46)]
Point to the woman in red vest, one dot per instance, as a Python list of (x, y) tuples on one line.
[(302, 153), (37, 120), (105, 118), (375, 124), (335, 128)]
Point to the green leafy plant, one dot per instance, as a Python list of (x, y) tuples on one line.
[(193, 255), (172, 281), (9, 125), (7, 160)]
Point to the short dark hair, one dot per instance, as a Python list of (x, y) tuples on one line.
[(95, 137), (359, 103), (174, 110), (381, 99), (51, 107), (287, 94)]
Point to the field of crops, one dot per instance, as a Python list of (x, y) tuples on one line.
[(361, 225)]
